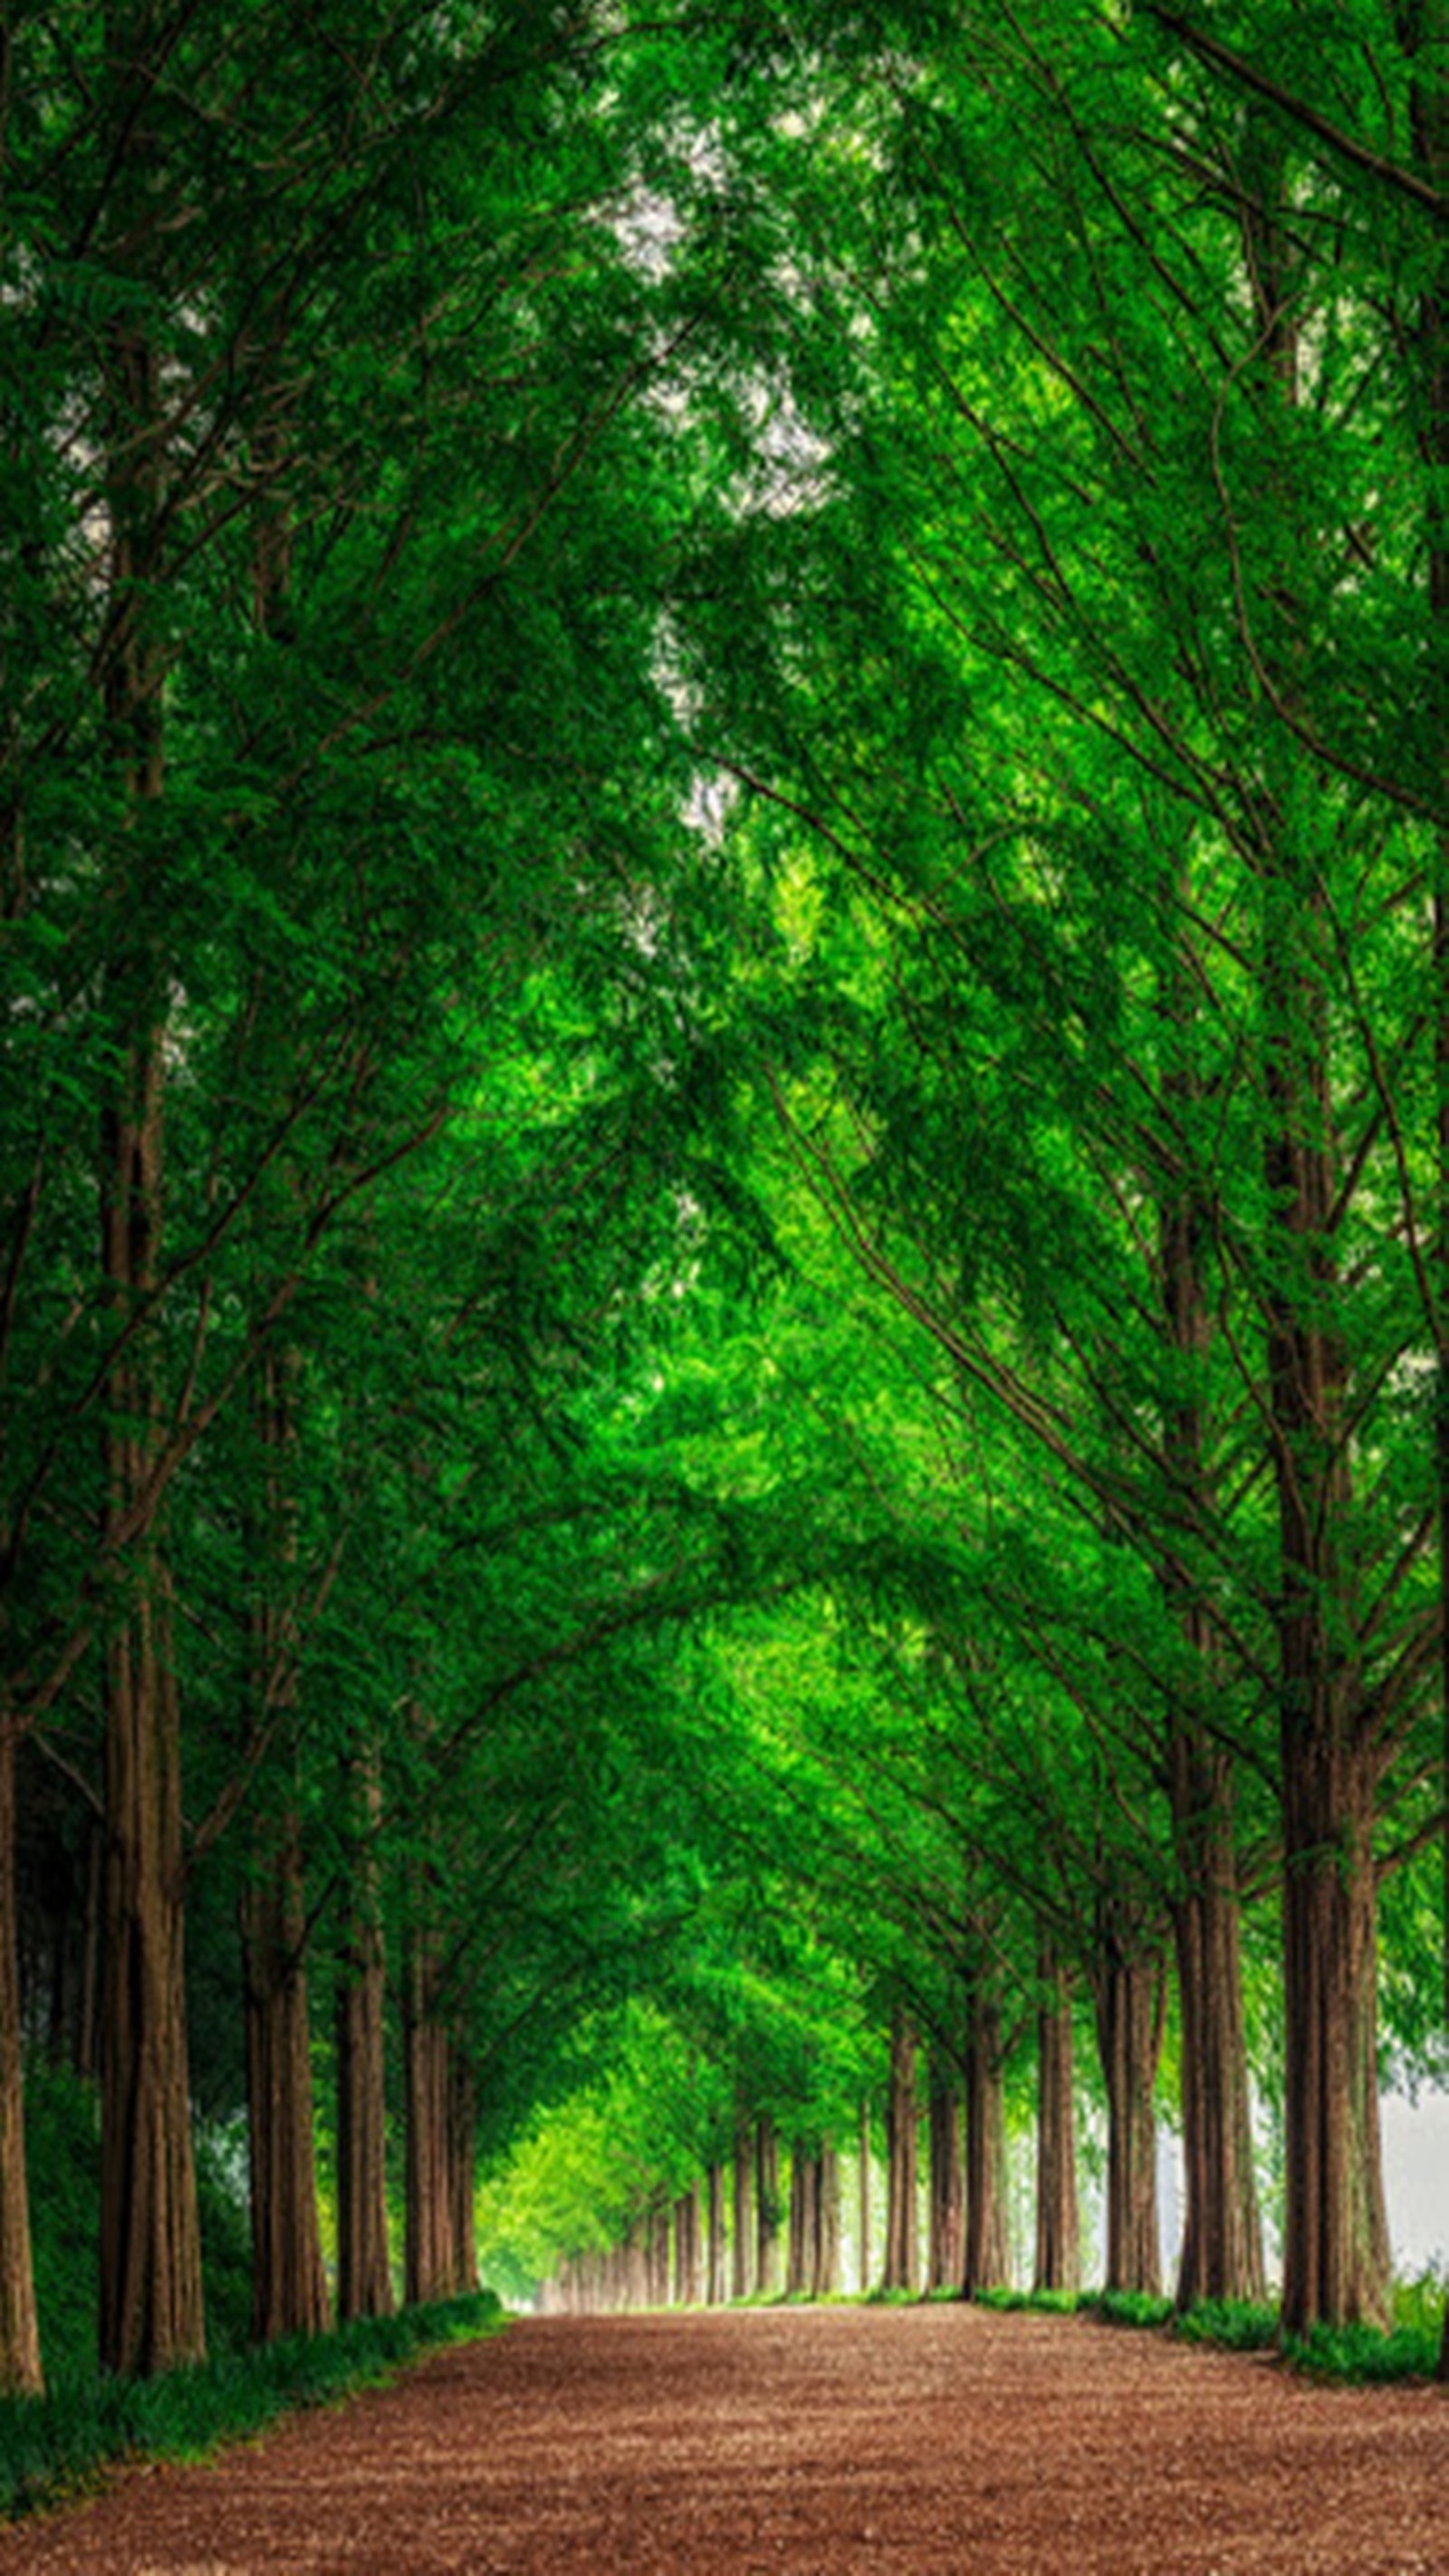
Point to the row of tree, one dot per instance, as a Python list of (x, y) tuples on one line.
[(725, 1186)]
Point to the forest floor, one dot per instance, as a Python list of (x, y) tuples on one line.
[(906, 2439)]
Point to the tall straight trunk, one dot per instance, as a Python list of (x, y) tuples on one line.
[(1335, 2237), (902, 2264), (20, 2370), (151, 2298), (686, 2249), (988, 2234), (804, 2222), (862, 2192), (1058, 2264), (715, 2257), (637, 2276), (364, 2276), (1222, 2246), (429, 2256), (150, 2248), (742, 2273), (767, 2208), (946, 2247), (827, 2223), (658, 2256), (1128, 1992), (289, 2290), (462, 2162)]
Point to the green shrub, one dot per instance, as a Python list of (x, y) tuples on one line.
[(1130, 2308), (1361, 2355), (1051, 2303), (1233, 2323)]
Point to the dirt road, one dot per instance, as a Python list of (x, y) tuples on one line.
[(897, 2439)]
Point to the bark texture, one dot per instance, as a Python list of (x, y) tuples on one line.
[(715, 2255), (1222, 2244), (687, 2250), (902, 2260), (742, 2229), (767, 2209), (289, 2289), (1222, 2250), (438, 2260), (946, 2246), (988, 2235), (1058, 2263), (364, 2277), (862, 2197), (1129, 2002), (151, 2299)]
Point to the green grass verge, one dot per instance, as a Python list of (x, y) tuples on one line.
[(1354, 2355), (1362, 2356), (51, 2446)]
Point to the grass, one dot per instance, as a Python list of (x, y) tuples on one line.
[(1355, 2356), (51, 2446)]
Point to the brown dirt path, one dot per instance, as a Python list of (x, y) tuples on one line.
[(903, 2439)]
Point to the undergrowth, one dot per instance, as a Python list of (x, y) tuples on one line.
[(51, 2445)]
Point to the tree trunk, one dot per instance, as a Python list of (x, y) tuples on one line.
[(767, 2209), (151, 2309), (1129, 2001), (862, 2187), (1222, 2246), (658, 2258), (1335, 2239), (150, 2290), (946, 2250), (715, 2280), (741, 2268), (804, 2222), (364, 2277), (637, 2275), (1058, 2264), (1222, 2251), (988, 2234), (902, 2267), (462, 2162), (1335, 2234), (827, 2224), (429, 2267), (289, 2290), (686, 2249), (20, 2370)]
